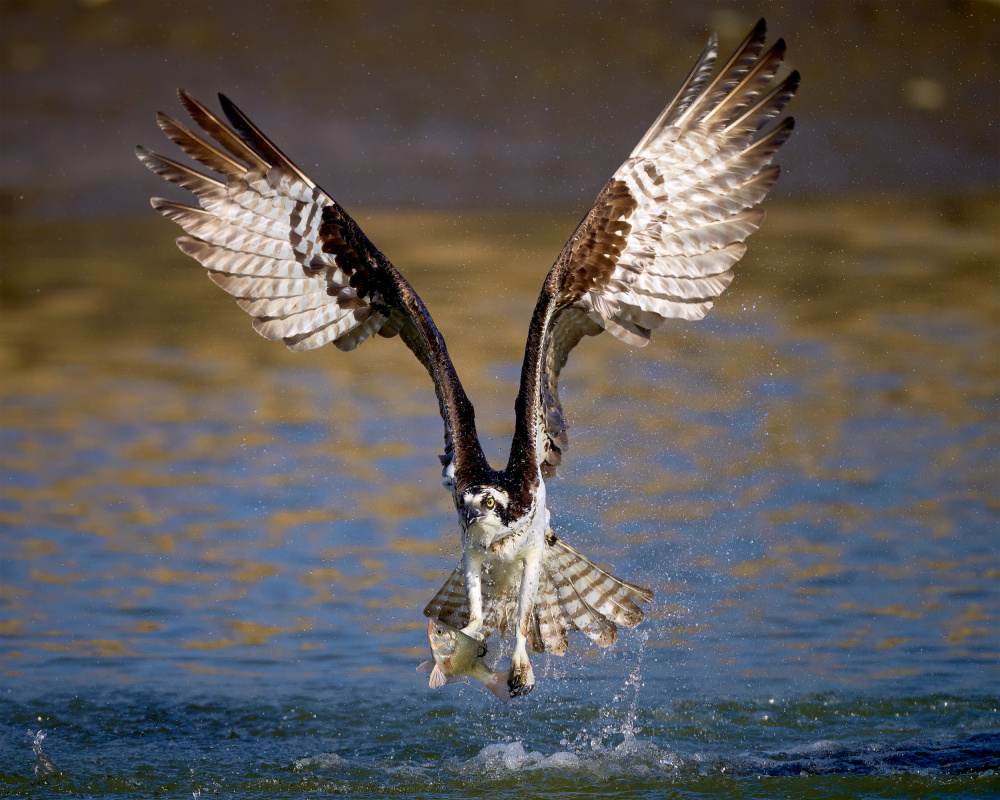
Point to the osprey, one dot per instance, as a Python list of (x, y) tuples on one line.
[(660, 241)]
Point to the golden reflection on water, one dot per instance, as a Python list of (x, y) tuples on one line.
[(168, 472)]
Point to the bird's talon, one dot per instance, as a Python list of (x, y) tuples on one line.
[(521, 681)]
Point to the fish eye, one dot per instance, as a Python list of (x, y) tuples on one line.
[(490, 502)]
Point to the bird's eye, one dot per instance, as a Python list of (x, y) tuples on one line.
[(459, 502), (490, 502)]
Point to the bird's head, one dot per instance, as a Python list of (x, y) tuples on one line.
[(483, 506)]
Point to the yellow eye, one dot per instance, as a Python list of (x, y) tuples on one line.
[(490, 502), (459, 502)]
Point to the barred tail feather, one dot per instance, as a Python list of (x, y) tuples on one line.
[(591, 599), (573, 594), (551, 624), (601, 591), (450, 604)]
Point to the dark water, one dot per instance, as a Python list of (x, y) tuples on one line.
[(215, 552), (483, 104)]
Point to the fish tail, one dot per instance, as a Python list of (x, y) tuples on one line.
[(496, 682), (498, 686)]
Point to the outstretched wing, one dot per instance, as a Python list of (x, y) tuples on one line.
[(664, 233), (295, 260)]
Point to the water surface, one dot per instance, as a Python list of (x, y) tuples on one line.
[(215, 552)]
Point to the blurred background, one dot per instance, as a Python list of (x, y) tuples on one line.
[(483, 105), (214, 553)]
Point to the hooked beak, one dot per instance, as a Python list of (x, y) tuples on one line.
[(472, 515)]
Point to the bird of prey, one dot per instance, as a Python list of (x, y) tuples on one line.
[(660, 241)]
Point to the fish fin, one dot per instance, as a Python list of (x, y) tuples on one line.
[(426, 667), (498, 686), (438, 678)]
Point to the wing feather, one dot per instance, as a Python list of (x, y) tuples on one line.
[(690, 89), (450, 604), (199, 149), (295, 260), (211, 124), (665, 232), (552, 625)]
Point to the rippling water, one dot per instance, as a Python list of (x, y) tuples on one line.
[(215, 552)]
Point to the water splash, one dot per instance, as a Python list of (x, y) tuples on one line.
[(321, 761), (634, 681), (43, 764), (610, 722)]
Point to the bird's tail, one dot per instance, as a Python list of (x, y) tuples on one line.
[(573, 594), (576, 594)]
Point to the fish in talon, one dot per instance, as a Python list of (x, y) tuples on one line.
[(458, 657)]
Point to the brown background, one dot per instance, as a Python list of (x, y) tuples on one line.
[(483, 104)]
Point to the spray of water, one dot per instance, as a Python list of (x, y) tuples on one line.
[(43, 764), (634, 682), (611, 722)]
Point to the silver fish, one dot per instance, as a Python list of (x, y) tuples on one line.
[(458, 657)]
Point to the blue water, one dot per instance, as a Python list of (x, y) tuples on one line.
[(214, 553)]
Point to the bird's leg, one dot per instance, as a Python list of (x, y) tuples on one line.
[(522, 677), (472, 563)]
